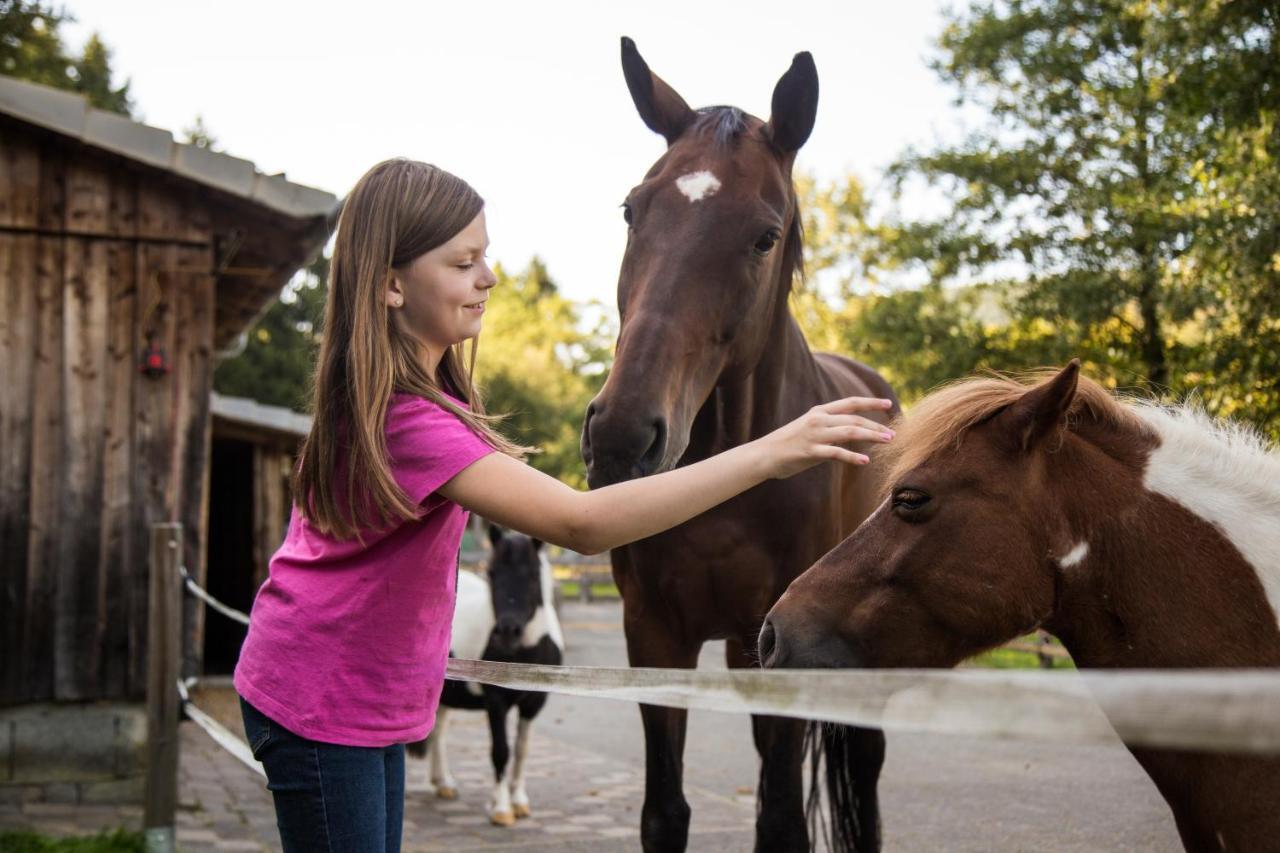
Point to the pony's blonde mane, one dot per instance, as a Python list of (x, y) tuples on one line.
[(938, 423)]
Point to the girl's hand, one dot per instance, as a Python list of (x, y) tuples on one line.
[(818, 436)]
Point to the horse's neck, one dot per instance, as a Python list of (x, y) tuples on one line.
[(1145, 581), (784, 383)]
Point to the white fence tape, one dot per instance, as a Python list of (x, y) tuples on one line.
[(1232, 710), (221, 735), (198, 592), (1222, 710)]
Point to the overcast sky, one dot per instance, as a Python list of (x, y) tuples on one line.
[(525, 100)]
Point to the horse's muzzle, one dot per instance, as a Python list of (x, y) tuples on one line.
[(618, 447)]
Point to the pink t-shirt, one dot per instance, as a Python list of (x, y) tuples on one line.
[(347, 643)]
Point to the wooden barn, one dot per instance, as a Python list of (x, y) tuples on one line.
[(127, 263), (253, 453)]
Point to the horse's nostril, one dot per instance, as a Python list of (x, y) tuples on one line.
[(652, 457), (767, 643)]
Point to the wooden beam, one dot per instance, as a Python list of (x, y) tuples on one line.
[(164, 616)]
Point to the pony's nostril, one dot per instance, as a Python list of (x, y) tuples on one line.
[(767, 643)]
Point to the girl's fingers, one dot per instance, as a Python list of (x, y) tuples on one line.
[(840, 454), (846, 434), (857, 404), (854, 420)]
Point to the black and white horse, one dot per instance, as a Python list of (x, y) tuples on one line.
[(510, 617)]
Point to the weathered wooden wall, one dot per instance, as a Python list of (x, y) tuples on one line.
[(93, 254)]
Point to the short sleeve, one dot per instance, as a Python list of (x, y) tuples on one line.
[(428, 445)]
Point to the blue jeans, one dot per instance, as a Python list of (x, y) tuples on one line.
[(329, 798)]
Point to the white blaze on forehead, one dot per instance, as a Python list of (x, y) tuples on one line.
[(1075, 555), (1225, 474), (698, 185)]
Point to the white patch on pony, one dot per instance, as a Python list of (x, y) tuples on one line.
[(544, 623), (1075, 555), (472, 621), (1226, 474), (698, 185)]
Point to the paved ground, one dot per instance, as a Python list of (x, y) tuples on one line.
[(586, 779)]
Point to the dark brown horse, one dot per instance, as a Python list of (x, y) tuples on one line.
[(1142, 536), (709, 357)]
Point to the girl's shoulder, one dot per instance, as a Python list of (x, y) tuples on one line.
[(412, 420), (427, 444)]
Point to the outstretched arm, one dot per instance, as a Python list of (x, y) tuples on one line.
[(517, 495)]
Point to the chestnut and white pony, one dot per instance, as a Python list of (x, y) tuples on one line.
[(1143, 536)]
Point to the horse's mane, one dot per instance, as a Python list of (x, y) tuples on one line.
[(725, 126), (940, 421)]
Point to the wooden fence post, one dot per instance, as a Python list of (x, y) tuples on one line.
[(164, 650)]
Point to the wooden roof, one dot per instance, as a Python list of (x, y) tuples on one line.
[(265, 226)]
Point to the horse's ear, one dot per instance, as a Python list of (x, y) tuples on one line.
[(795, 104), (537, 545), (1040, 411), (663, 110), (495, 533)]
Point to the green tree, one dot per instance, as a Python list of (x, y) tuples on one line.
[(199, 135), (31, 48), (541, 360), (1123, 189), (278, 360)]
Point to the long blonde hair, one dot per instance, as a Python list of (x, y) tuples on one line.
[(399, 210)]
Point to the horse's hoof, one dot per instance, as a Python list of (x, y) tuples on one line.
[(502, 819), (444, 792), (521, 810)]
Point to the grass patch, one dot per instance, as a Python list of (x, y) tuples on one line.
[(1014, 659), (572, 590), (115, 841)]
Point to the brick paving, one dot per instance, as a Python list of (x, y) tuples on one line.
[(580, 800)]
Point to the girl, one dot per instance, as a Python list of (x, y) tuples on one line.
[(345, 656)]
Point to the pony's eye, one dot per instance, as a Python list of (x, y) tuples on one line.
[(626, 213), (909, 500), (767, 241)]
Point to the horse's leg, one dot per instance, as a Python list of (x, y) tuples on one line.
[(519, 796), (780, 819), (664, 819), (500, 802), (441, 779), (529, 704)]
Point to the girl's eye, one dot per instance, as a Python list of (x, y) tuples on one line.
[(468, 265)]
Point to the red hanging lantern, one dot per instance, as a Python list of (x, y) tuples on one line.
[(154, 362)]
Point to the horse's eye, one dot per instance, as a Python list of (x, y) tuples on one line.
[(626, 213), (909, 500), (767, 241)]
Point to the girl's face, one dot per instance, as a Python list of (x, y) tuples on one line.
[(439, 296)]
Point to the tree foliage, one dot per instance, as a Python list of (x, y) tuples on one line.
[(1119, 204), (277, 362), (31, 48), (541, 359), (538, 361)]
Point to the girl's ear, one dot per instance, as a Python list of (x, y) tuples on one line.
[(395, 290)]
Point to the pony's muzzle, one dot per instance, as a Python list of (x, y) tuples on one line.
[(800, 646)]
